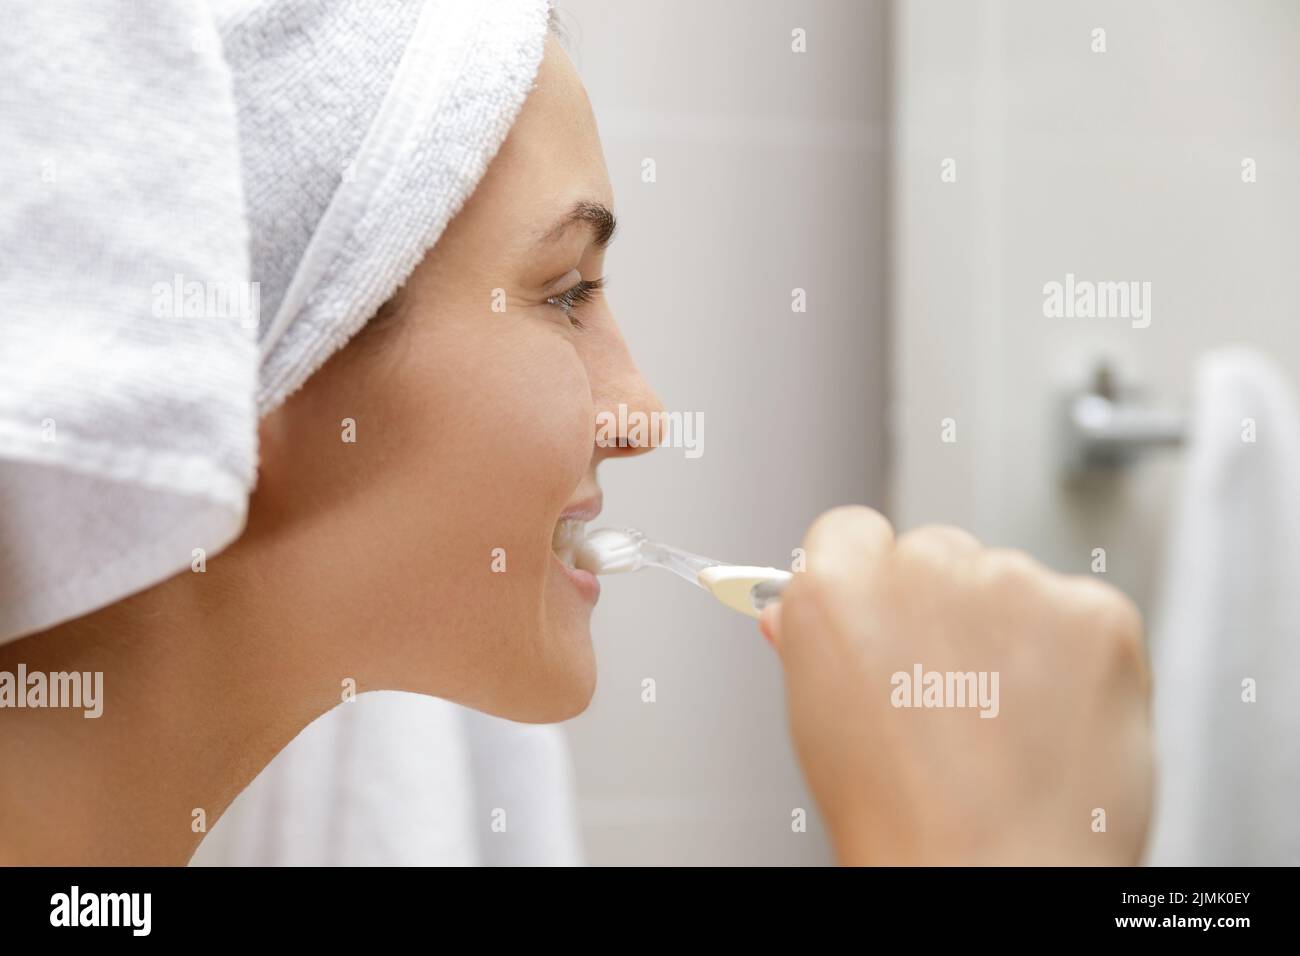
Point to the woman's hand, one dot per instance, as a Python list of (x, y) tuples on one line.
[(1041, 751)]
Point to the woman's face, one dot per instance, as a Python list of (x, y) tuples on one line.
[(422, 555)]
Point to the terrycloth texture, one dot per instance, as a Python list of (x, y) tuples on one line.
[(127, 430), (365, 126), (303, 154), (398, 779), (1229, 770)]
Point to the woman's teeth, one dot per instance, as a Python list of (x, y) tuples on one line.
[(568, 537)]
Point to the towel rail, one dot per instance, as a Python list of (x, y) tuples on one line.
[(1104, 429)]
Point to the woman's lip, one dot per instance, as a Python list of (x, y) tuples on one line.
[(588, 584), (585, 510)]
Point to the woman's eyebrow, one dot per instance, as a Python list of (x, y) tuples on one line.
[(595, 215)]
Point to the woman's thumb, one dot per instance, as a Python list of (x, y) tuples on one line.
[(769, 622)]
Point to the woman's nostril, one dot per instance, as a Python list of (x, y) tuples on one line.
[(631, 429)]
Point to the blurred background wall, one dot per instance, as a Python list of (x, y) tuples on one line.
[(771, 174), (824, 171), (1116, 165)]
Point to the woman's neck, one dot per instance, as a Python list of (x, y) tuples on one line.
[(194, 701)]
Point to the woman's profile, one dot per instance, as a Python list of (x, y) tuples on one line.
[(423, 469)]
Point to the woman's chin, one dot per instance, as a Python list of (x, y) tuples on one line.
[(571, 658), (574, 686), (551, 674), (558, 688)]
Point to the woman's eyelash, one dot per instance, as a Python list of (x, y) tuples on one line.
[(571, 298)]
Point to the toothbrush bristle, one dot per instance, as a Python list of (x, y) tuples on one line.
[(610, 551)]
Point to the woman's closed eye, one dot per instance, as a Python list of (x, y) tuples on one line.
[(580, 292)]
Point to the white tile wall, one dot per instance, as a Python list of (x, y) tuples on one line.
[(771, 175), (1119, 166)]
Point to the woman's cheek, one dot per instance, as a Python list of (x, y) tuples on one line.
[(543, 411), (561, 419)]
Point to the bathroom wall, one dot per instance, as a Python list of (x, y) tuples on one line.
[(1116, 165), (770, 171)]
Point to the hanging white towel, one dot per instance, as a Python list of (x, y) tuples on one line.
[(1226, 642)]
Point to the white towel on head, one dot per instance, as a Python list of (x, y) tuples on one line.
[(310, 150), (364, 126), (127, 430)]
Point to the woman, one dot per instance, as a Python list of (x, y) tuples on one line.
[(432, 554)]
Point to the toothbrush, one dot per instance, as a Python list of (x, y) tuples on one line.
[(742, 588)]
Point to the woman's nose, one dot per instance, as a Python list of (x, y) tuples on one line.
[(629, 415)]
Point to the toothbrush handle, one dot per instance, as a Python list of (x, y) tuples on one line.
[(767, 592), (682, 563), (745, 588)]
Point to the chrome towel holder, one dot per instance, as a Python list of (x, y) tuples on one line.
[(1106, 428)]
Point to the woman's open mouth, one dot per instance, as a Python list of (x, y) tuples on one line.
[(568, 537), (570, 532)]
